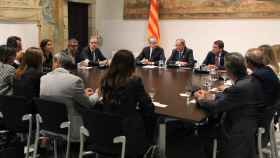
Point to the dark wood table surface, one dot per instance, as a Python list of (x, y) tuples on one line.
[(167, 83)]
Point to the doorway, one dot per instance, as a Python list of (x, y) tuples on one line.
[(78, 22)]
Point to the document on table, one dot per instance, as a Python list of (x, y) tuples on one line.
[(149, 67), (157, 104), (85, 67)]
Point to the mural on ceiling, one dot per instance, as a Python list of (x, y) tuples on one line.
[(204, 9)]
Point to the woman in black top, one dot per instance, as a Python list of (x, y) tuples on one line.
[(47, 49), (27, 82), (124, 94)]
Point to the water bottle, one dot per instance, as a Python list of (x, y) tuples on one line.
[(161, 63)]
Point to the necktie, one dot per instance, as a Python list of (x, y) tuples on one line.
[(180, 55), (217, 60), (93, 56), (151, 51)]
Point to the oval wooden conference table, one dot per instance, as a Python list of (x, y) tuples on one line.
[(167, 83)]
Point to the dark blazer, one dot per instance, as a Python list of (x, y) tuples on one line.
[(210, 59), (157, 54), (270, 87), (87, 54), (187, 56), (77, 56), (241, 102), (47, 65), (29, 84), (134, 104)]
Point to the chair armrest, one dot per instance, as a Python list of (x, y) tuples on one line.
[(65, 124), (261, 130), (84, 131), (122, 140), (26, 117)]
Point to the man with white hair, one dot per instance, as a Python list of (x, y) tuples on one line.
[(62, 86), (151, 54)]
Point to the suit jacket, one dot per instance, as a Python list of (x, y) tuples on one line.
[(210, 59), (29, 84), (77, 57), (187, 56), (241, 102), (87, 54), (157, 54), (61, 86), (47, 65), (7, 75), (125, 102)]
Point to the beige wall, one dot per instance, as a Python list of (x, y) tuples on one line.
[(51, 17), (238, 35)]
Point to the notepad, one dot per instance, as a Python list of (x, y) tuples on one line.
[(157, 104)]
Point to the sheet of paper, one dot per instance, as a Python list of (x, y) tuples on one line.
[(85, 67), (157, 104), (183, 94), (149, 67)]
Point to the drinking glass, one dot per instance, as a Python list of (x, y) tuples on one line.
[(152, 93), (161, 63), (224, 77), (188, 93)]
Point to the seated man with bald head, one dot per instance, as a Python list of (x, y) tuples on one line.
[(151, 54), (270, 86), (181, 55)]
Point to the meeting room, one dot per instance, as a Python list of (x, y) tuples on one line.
[(139, 78)]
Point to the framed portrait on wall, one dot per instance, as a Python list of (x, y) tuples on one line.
[(204, 9)]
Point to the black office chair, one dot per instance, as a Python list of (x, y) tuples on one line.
[(14, 110), (53, 119), (104, 132)]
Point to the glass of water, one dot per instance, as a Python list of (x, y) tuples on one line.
[(188, 93), (161, 63), (152, 93)]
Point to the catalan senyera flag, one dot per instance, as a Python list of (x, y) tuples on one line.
[(153, 23)]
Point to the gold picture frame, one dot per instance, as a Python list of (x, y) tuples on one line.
[(204, 9)]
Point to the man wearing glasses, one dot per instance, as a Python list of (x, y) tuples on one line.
[(181, 55), (152, 54), (92, 55)]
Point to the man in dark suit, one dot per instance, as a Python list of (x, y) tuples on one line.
[(73, 50), (241, 102), (151, 54), (270, 86), (215, 58), (181, 55), (92, 55)]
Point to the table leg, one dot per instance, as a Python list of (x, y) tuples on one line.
[(162, 139)]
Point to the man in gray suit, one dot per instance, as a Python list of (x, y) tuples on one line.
[(62, 86)]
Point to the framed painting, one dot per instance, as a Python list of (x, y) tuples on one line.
[(204, 9)]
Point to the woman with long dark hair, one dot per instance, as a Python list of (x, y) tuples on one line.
[(46, 46), (124, 94), (29, 73)]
